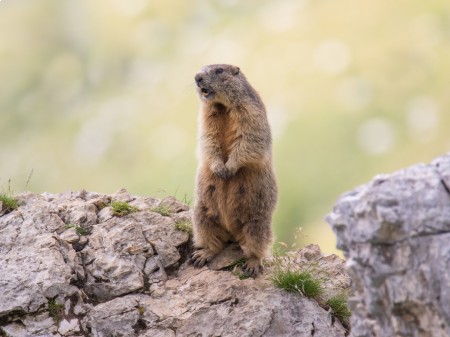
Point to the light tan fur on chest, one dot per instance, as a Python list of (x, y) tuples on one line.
[(223, 128), (228, 134)]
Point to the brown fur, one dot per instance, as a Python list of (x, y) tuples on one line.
[(236, 190)]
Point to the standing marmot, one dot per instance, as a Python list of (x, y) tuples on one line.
[(236, 190)]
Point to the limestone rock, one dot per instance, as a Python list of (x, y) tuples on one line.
[(394, 232), (115, 257), (67, 328), (33, 260), (230, 255), (69, 267), (70, 235), (173, 205)]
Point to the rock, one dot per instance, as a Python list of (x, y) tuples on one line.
[(231, 254), (80, 309), (39, 324), (105, 214), (14, 330), (100, 201), (158, 227), (168, 253), (159, 333), (114, 318), (70, 236), (68, 327), (78, 213), (173, 205), (32, 260), (151, 265), (144, 203), (130, 276), (154, 270), (122, 195), (394, 232)]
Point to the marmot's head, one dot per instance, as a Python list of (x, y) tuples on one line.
[(222, 83)]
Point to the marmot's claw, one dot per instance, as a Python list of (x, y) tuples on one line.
[(198, 263), (199, 258), (253, 269)]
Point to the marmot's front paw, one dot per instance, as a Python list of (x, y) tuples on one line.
[(200, 257), (253, 267), (221, 172), (232, 167)]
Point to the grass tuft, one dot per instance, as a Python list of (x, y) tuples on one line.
[(162, 209), (184, 226), (339, 307), (9, 202), (79, 230), (236, 268), (141, 310), (240, 275), (7, 198), (298, 281), (311, 280), (55, 310), (120, 208), (238, 263)]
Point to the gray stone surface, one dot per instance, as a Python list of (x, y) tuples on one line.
[(69, 267), (395, 234)]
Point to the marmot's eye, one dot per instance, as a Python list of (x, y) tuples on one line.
[(219, 71)]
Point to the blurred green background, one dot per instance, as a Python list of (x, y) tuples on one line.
[(100, 95)]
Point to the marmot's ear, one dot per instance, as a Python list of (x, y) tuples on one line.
[(236, 70)]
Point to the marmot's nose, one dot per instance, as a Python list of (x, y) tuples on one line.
[(198, 79)]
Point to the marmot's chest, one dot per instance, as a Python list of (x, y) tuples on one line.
[(228, 135)]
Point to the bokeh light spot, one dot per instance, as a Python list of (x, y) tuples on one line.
[(376, 136), (354, 93), (332, 57), (422, 118)]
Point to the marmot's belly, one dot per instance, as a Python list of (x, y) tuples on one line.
[(246, 197)]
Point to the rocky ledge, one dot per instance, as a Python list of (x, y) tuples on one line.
[(395, 234), (73, 265)]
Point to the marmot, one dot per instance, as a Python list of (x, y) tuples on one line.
[(236, 190)]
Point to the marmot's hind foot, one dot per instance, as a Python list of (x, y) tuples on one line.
[(200, 257), (253, 267)]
